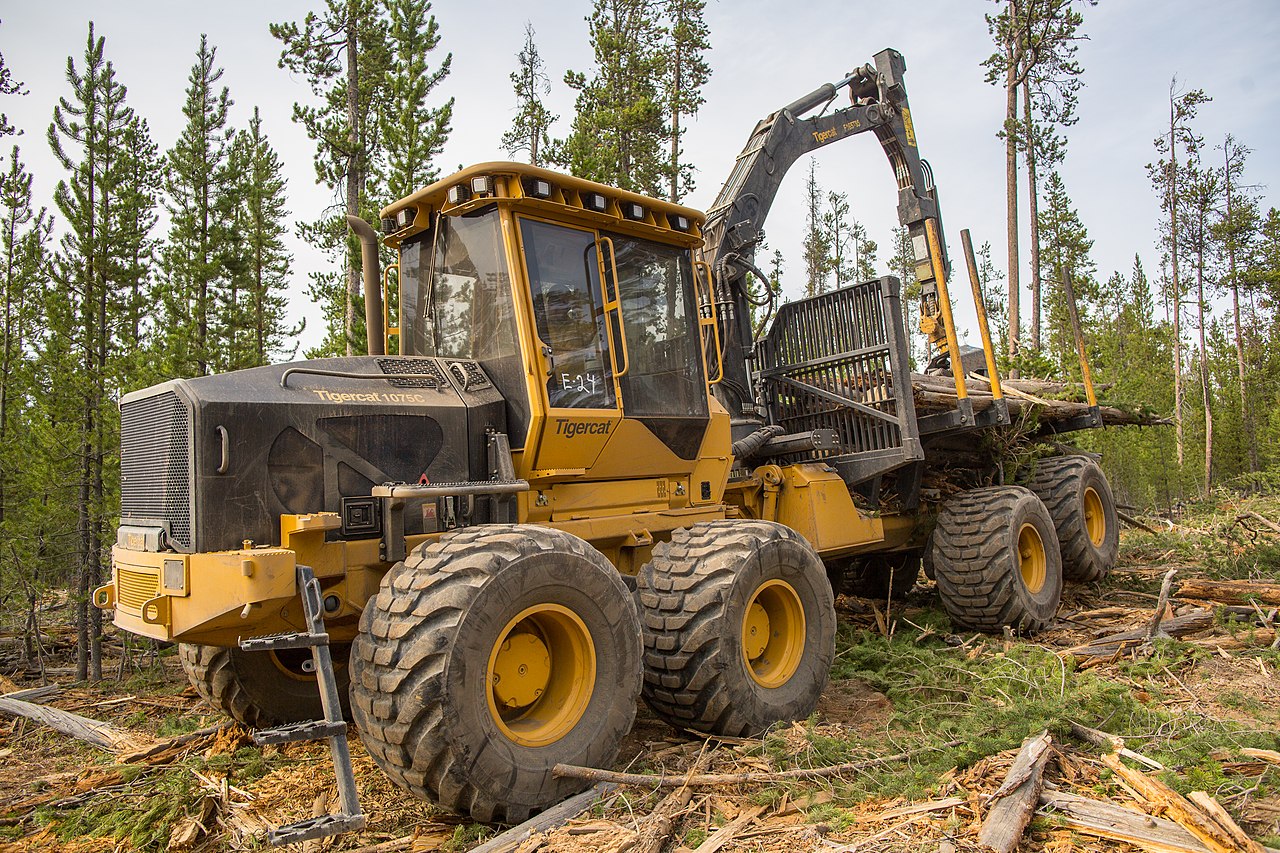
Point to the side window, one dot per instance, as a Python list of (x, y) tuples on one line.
[(664, 373), (564, 281)]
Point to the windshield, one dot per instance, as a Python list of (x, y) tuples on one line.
[(455, 302)]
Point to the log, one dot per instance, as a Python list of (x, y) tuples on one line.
[(1230, 592), (1179, 626), (93, 732), (645, 780), (1174, 806), (656, 828), (1111, 742), (164, 751), (1116, 823), (1219, 815), (1265, 522), (550, 819), (1153, 628), (1016, 798), (725, 834), (1133, 522)]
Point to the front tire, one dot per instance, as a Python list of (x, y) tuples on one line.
[(262, 689), (739, 627), (995, 557), (1079, 501), (488, 657)]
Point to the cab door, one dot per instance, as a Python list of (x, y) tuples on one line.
[(581, 394)]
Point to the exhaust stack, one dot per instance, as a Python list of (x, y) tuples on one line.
[(373, 311)]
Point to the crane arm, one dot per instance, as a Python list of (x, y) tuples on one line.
[(878, 104)]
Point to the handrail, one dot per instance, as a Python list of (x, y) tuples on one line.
[(980, 306), (708, 320), (944, 303), (614, 306)]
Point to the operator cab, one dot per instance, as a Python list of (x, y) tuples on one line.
[(582, 302)]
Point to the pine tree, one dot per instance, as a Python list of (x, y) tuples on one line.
[(1007, 64), (687, 72), (343, 55), (1065, 252), (24, 235), (198, 185), (1164, 175), (1201, 187), (139, 191), (88, 136), (412, 134), (817, 242), (263, 268), (530, 130), (619, 127), (1235, 230), (864, 252), (8, 86), (839, 235)]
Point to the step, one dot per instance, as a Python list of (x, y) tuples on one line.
[(295, 640), (307, 730), (316, 827)]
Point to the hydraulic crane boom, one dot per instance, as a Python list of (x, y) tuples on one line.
[(879, 104)]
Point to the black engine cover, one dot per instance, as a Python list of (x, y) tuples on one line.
[(218, 459)]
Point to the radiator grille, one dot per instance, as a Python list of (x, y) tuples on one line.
[(837, 362), (155, 464), (134, 588)]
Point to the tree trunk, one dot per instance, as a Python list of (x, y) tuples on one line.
[(1246, 413), (1204, 365), (1177, 291), (355, 169), (1033, 199), (1012, 57), (676, 95)]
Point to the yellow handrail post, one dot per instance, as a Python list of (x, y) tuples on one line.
[(983, 327), (944, 304)]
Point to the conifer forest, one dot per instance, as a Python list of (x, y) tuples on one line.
[(156, 257)]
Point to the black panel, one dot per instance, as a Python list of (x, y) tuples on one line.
[(295, 467), (682, 436)]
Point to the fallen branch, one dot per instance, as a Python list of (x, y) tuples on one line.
[(551, 818), (1265, 522), (1016, 798), (1133, 522), (725, 834), (1111, 742), (655, 829), (1112, 644), (165, 750), (644, 780), (1153, 628), (93, 732)]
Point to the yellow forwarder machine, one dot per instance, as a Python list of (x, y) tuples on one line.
[(582, 479)]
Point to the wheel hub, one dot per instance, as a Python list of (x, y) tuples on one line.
[(541, 675), (521, 671), (1095, 519), (1033, 564), (773, 633)]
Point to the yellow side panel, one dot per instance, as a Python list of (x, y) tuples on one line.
[(815, 503), (575, 441), (615, 497)]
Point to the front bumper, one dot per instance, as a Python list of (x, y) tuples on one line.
[(208, 598)]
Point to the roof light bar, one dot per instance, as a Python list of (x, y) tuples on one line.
[(459, 194), (537, 188), (595, 201), (633, 211)]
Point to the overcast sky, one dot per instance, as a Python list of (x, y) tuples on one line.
[(764, 55)]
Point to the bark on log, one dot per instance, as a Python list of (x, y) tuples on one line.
[(1230, 592), (550, 819), (644, 780), (1174, 806), (1178, 626), (1008, 818), (94, 732), (1116, 823)]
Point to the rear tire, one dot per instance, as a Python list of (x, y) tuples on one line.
[(261, 689), (878, 576), (490, 656), (739, 627), (995, 558), (1079, 501)]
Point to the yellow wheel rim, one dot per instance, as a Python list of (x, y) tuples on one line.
[(1095, 520), (541, 673), (773, 633), (1033, 563)]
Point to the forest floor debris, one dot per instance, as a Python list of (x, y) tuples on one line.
[(1165, 739)]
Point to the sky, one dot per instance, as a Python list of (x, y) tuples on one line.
[(765, 54)]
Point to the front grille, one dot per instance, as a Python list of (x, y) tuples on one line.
[(155, 464), (135, 588)]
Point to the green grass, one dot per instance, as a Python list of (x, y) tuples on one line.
[(990, 699)]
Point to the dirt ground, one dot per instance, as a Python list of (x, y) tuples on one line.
[(1207, 702)]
